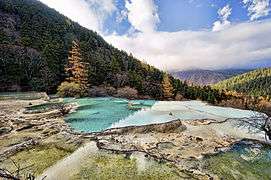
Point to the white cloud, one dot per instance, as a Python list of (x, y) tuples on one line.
[(88, 13), (257, 8), (220, 25), (239, 45), (142, 14), (224, 13)]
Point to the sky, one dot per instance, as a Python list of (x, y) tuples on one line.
[(180, 34)]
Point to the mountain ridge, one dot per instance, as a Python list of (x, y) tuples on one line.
[(207, 77), (255, 83)]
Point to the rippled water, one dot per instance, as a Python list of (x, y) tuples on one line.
[(98, 114)]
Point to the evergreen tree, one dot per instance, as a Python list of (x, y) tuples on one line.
[(167, 87)]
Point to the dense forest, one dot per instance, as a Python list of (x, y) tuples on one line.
[(254, 83), (35, 41)]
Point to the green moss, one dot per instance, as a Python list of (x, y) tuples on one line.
[(36, 160), (231, 165), (117, 167), (15, 139)]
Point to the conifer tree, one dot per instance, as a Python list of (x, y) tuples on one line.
[(167, 87)]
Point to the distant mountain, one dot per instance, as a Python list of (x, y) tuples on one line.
[(256, 83), (207, 77), (34, 45)]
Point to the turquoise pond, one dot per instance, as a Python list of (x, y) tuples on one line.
[(98, 114)]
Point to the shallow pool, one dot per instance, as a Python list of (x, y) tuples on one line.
[(98, 114), (245, 160)]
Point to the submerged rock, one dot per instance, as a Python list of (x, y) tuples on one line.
[(174, 126)]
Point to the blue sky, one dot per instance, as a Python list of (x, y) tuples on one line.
[(180, 34), (177, 15)]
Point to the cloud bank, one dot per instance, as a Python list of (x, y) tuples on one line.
[(234, 46), (226, 45), (238, 45)]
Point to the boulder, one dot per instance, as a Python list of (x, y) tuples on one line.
[(174, 126)]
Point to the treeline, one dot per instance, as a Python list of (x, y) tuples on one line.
[(255, 83), (204, 93)]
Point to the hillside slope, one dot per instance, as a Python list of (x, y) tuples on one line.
[(207, 77), (256, 83), (34, 45)]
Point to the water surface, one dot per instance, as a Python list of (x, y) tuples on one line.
[(245, 160), (98, 114)]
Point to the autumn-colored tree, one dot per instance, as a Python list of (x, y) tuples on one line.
[(167, 87), (77, 73)]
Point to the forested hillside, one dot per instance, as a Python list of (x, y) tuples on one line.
[(207, 77), (256, 83), (35, 41), (34, 45)]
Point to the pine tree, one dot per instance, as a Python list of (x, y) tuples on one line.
[(76, 69), (167, 87)]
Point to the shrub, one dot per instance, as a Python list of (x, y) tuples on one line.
[(101, 91), (67, 89), (127, 92), (179, 97)]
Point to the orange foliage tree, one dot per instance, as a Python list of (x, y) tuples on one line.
[(167, 87), (77, 72)]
